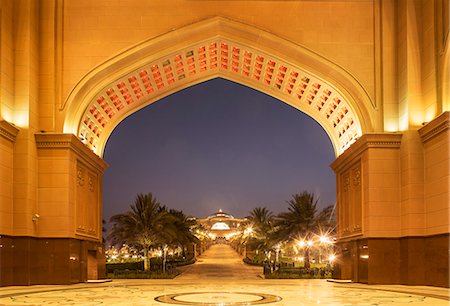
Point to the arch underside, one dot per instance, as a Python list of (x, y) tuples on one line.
[(94, 119)]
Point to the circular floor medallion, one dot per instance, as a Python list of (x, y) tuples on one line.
[(218, 298)]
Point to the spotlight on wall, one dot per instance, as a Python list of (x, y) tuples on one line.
[(35, 217)]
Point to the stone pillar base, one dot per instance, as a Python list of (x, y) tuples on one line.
[(49, 261), (404, 260)]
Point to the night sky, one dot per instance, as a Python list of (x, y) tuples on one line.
[(216, 145)]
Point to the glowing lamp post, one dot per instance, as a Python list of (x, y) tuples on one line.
[(165, 248), (306, 245), (277, 250)]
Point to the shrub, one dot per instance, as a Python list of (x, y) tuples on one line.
[(138, 274), (111, 267)]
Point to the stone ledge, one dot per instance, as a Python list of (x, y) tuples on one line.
[(435, 127), (71, 142), (366, 141), (8, 131)]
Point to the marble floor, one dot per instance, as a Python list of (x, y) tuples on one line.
[(219, 278)]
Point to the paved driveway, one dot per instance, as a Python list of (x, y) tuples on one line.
[(220, 261)]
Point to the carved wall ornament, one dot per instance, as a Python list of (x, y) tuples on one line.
[(356, 177), (91, 182), (346, 182), (80, 176)]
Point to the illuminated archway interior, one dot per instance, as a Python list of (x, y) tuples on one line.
[(219, 58)]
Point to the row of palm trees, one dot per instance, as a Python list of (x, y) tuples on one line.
[(301, 222), (150, 225)]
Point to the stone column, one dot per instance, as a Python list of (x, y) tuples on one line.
[(393, 207), (67, 219), (436, 241), (368, 194), (8, 134)]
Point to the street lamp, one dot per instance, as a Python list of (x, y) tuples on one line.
[(277, 249), (324, 239), (165, 248)]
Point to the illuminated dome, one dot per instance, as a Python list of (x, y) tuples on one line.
[(220, 226), (220, 214)]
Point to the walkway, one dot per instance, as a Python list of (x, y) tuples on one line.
[(220, 261)]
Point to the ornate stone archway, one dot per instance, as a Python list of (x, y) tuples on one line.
[(374, 74), (218, 47)]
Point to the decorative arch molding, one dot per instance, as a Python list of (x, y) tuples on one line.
[(212, 48)]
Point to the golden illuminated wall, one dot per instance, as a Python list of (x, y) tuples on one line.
[(422, 40), (8, 135), (69, 188), (95, 31), (6, 63)]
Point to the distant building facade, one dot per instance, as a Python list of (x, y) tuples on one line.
[(222, 226)]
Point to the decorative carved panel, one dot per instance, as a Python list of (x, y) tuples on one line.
[(87, 209), (350, 201)]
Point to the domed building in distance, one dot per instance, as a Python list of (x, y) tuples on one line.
[(221, 225)]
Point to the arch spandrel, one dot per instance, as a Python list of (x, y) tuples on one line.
[(210, 49)]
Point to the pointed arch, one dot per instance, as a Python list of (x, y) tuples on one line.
[(212, 48)]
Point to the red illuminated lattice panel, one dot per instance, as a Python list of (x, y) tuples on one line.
[(216, 57)]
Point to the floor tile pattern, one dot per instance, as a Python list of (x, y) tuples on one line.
[(220, 278)]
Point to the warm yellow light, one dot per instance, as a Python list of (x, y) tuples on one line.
[(331, 258), (310, 243), (220, 226), (324, 239), (391, 125), (417, 118), (301, 243), (430, 113), (6, 114), (403, 122), (364, 256), (21, 119)]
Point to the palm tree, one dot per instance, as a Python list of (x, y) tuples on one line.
[(261, 222), (145, 226), (261, 219), (182, 230), (301, 220), (327, 219)]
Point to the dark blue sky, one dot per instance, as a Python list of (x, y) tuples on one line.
[(216, 145)]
